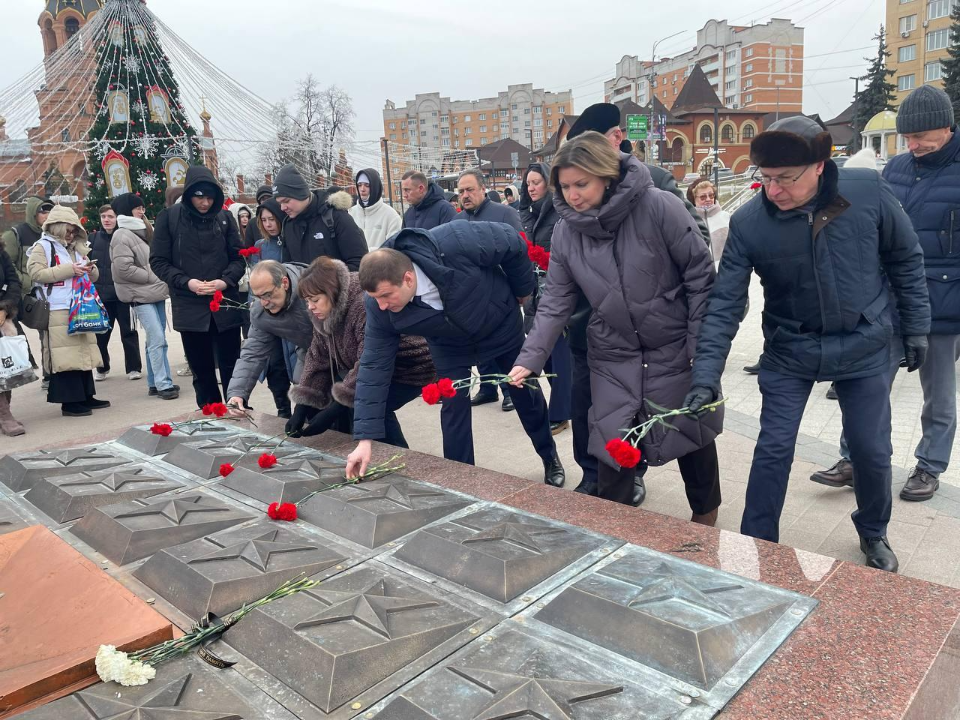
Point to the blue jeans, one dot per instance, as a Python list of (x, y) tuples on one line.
[(865, 404), (153, 318)]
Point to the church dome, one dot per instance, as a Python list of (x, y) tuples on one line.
[(84, 7)]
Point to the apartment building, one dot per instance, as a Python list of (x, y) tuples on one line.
[(521, 113), (918, 34), (756, 67)]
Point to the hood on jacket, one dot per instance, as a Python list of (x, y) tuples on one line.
[(334, 197), (349, 287), (433, 195), (273, 206), (376, 187), (235, 209), (541, 168), (30, 213), (63, 214), (865, 158), (516, 193), (197, 174), (172, 196)]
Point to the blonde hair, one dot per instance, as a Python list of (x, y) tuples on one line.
[(58, 231), (590, 153)]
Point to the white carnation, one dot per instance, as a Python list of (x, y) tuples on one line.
[(114, 666)]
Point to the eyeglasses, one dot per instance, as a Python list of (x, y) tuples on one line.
[(267, 295), (783, 182)]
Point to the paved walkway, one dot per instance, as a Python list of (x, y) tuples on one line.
[(926, 536)]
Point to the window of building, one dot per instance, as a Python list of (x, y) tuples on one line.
[(435, 126), (495, 116), (748, 83), (907, 53), (731, 54), (433, 113), (504, 126), (549, 111), (706, 135), (562, 108), (513, 107), (537, 110), (456, 143), (538, 122), (938, 9), (747, 99), (908, 23), (466, 118), (674, 77), (516, 118), (526, 123), (483, 141), (932, 71), (780, 61), (730, 85), (423, 133), (748, 68), (905, 82), (445, 131), (393, 126), (938, 39), (731, 70), (483, 116), (446, 142), (726, 134), (526, 111), (403, 137), (469, 142), (904, 2), (729, 100), (444, 118), (516, 129), (549, 123), (456, 132), (393, 136), (403, 126), (468, 131), (749, 131), (538, 136), (483, 128), (748, 52), (675, 91)]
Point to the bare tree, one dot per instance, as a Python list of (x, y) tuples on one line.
[(338, 115)]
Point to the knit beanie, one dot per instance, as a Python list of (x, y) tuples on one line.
[(124, 204), (290, 183), (264, 191), (926, 108)]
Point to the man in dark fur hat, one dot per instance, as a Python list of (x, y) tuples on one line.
[(822, 240)]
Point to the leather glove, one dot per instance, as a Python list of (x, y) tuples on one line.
[(915, 351), (698, 397), (301, 414), (324, 420)]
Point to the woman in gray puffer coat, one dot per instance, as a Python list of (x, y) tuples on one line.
[(636, 254)]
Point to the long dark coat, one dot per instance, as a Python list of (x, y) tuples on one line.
[(643, 266)]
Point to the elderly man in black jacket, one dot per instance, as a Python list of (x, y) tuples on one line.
[(458, 286), (821, 243), (196, 252)]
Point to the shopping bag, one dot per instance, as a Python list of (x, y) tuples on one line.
[(15, 368), (87, 313)]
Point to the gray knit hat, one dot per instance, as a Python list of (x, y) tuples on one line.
[(290, 183), (926, 108)]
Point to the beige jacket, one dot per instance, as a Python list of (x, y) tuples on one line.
[(134, 280)]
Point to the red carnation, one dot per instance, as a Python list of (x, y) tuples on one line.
[(226, 469), (625, 454), (249, 252), (755, 186), (446, 388), (161, 429), (267, 461), (282, 511), (207, 409), (217, 296), (214, 306), (219, 409), (431, 394)]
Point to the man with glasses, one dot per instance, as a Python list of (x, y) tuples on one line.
[(821, 243), (277, 312)]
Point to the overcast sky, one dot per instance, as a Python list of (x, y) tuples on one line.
[(384, 49)]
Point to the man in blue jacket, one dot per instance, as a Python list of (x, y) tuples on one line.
[(926, 181), (460, 286), (821, 243), (428, 204)]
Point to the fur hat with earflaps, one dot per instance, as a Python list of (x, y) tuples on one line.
[(791, 142)]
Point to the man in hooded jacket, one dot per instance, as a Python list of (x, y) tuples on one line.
[(373, 215), (195, 251), (428, 203)]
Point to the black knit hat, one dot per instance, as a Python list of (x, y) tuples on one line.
[(791, 142), (600, 117), (264, 191), (124, 204), (926, 108), (289, 183)]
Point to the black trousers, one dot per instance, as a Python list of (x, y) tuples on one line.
[(206, 351), (119, 313), (278, 380), (580, 402), (69, 387)]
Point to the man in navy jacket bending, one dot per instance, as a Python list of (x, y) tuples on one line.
[(460, 286)]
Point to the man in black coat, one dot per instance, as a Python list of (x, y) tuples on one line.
[(196, 252), (317, 222), (458, 286), (428, 204), (118, 312), (822, 243)]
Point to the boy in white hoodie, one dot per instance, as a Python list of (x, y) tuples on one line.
[(377, 219)]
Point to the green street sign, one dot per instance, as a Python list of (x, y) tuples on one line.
[(636, 127)]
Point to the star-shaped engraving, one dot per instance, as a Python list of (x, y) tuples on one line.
[(515, 532), (242, 443), (198, 428), (667, 585), (113, 481), (162, 704), (68, 457), (371, 608), (174, 510), (542, 698), (311, 467), (257, 552), (399, 492)]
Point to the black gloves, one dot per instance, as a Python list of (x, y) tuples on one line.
[(915, 351), (301, 414), (324, 420), (698, 397)]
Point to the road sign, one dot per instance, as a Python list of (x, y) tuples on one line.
[(636, 127), (515, 159)]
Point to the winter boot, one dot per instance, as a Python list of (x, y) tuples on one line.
[(8, 423)]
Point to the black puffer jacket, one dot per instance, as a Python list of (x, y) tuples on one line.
[(190, 246), (538, 218), (100, 251), (307, 236), (432, 211)]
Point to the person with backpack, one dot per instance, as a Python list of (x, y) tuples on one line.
[(318, 222), (196, 252)]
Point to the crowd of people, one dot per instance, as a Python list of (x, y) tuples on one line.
[(349, 310)]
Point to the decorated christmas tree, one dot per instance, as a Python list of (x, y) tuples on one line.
[(141, 140)]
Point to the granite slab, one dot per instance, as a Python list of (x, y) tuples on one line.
[(362, 634), (10, 518), (20, 472), (140, 438), (289, 481), (222, 571), (205, 457), (56, 609), (69, 497), (133, 530)]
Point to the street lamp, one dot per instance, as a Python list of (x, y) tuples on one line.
[(648, 156)]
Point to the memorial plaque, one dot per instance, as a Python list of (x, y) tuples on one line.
[(10, 519), (205, 457), (695, 624), (142, 440), (20, 472), (499, 553), (221, 572), (182, 690), (357, 637), (511, 673), (374, 513), (289, 481), (70, 497), (133, 530)]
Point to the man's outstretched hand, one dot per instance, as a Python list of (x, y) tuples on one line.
[(699, 396), (359, 459)]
